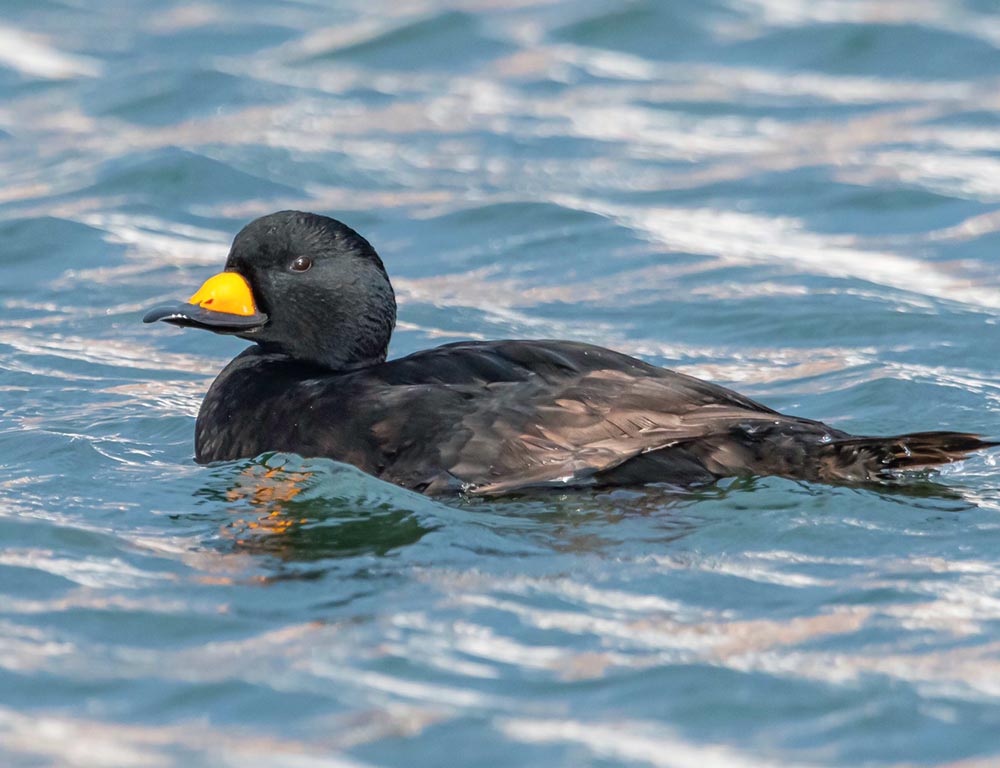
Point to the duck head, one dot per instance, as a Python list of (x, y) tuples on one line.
[(301, 285)]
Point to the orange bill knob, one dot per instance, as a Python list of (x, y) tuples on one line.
[(226, 292), (224, 304)]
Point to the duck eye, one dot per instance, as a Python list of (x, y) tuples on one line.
[(301, 264)]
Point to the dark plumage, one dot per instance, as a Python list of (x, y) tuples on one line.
[(485, 417)]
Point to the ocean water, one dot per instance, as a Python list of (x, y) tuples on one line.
[(796, 198)]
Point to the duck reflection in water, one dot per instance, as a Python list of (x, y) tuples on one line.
[(299, 512), (302, 511)]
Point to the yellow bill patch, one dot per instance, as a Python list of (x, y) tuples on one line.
[(226, 292)]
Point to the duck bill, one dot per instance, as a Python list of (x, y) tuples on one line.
[(224, 304)]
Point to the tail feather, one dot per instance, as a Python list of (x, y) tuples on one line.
[(867, 458)]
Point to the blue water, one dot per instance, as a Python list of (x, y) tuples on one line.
[(796, 198)]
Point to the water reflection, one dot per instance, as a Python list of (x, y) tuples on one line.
[(304, 511)]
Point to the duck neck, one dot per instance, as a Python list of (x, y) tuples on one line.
[(339, 344)]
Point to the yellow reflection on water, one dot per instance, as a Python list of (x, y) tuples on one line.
[(266, 492)]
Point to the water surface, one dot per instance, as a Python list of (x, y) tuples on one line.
[(797, 199)]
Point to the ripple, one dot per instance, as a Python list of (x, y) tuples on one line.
[(454, 35), (176, 177), (633, 742), (35, 58)]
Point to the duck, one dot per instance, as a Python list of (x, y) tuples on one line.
[(478, 417)]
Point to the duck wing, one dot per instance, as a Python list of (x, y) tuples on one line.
[(492, 417)]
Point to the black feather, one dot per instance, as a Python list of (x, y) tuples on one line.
[(857, 459), (488, 417)]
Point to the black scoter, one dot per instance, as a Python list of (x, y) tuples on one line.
[(481, 417)]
